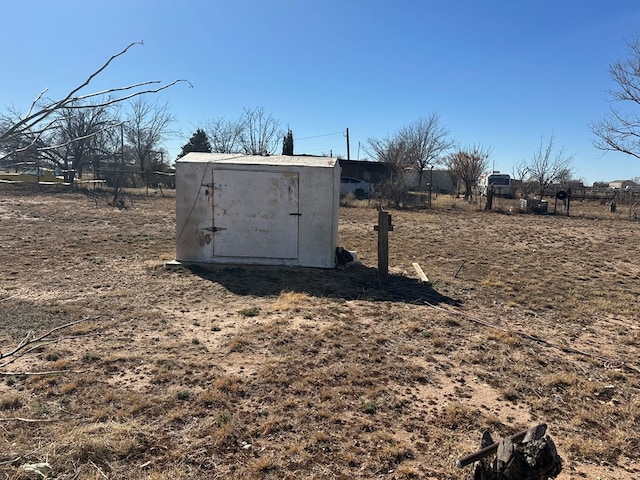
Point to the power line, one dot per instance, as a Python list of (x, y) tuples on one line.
[(318, 136), (324, 149)]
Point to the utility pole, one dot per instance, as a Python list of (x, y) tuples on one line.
[(348, 154)]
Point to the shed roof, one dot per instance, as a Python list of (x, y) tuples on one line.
[(232, 158)]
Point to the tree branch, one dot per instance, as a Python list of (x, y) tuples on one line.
[(30, 340), (619, 131), (48, 372), (35, 347), (33, 420), (101, 69), (71, 100)]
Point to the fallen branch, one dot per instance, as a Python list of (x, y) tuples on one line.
[(8, 298), (48, 372), (39, 345), (32, 420), (460, 268), (31, 343), (39, 114), (27, 340)]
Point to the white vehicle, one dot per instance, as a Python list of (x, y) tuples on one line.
[(501, 183), (358, 188)]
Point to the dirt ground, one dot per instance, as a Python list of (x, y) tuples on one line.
[(269, 372)]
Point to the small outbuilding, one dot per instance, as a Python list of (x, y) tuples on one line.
[(249, 209), (623, 184)]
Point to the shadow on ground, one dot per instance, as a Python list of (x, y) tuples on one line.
[(356, 282)]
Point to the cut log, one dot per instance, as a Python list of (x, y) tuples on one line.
[(528, 455)]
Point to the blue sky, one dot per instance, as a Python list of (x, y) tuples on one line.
[(504, 74)]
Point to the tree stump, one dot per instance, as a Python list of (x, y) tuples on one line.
[(533, 457)]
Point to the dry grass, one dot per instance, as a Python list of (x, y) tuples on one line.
[(291, 301), (264, 372)]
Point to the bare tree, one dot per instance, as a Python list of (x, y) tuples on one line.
[(117, 170), (426, 140), (520, 173), (224, 135), (40, 117), (566, 179), (547, 166), (25, 148), (82, 137), (254, 133), (620, 129), (467, 165), (392, 152), (261, 133), (146, 126)]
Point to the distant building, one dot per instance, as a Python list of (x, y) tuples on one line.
[(377, 172), (367, 170), (440, 180), (623, 184)]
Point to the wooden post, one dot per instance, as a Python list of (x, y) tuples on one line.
[(568, 200), (489, 205), (383, 228)]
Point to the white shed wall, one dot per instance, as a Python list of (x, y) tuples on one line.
[(238, 209)]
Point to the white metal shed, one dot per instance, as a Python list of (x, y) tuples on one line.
[(277, 210)]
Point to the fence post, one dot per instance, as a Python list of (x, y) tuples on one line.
[(383, 228), (489, 205)]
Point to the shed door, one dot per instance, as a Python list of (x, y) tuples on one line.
[(255, 214)]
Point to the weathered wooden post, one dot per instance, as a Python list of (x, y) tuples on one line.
[(489, 205), (383, 228)]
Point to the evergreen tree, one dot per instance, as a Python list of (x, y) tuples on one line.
[(287, 143), (199, 142)]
